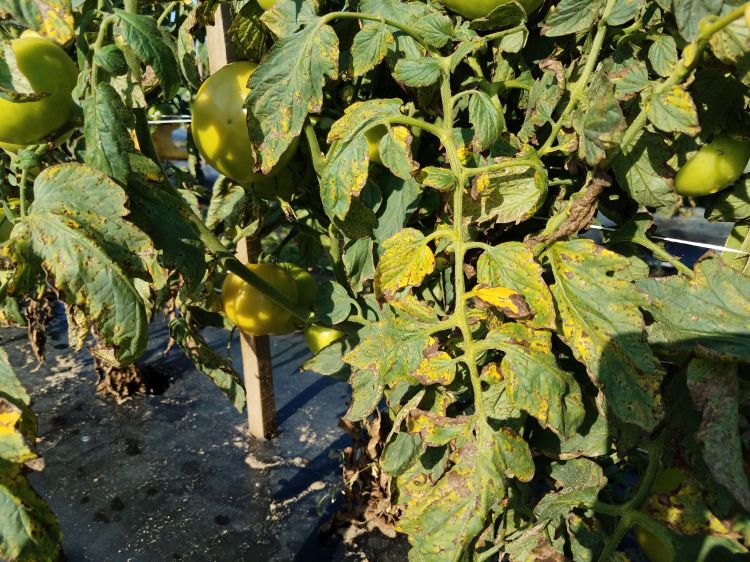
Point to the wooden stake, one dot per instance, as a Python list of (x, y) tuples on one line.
[(256, 351)]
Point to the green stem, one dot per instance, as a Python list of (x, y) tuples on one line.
[(583, 81), (638, 499), (22, 191), (503, 33), (318, 159), (168, 10), (462, 94), (459, 319), (502, 166), (373, 17), (334, 252), (101, 36), (415, 122)]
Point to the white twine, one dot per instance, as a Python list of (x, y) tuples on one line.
[(704, 245)]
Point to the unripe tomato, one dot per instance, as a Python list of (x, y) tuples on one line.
[(373, 137), (220, 127), (266, 4), (307, 286), (280, 185), (474, 9), (717, 165), (652, 546), (317, 337), (251, 310), (48, 69)]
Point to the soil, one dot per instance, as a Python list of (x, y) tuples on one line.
[(174, 476)]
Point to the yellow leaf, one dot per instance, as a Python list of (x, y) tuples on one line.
[(437, 369), (406, 261), (509, 302)]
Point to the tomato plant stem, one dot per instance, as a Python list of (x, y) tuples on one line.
[(459, 246), (374, 17), (22, 191), (583, 82), (641, 494)]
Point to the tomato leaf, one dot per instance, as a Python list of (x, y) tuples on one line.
[(287, 16), (579, 482), (689, 14), (143, 36), (714, 389), (157, 209), (108, 141), (534, 382), (512, 265), (370, 47), (571, 16), (346, 168), (610, 343), (510, 196), (395, 152), (642, 171), (367, 391), (674, 111), (406, 261), (28, 528), (443, 520), (663, 55), (487, 120), (406, 13), (601, 124), (417, 73), (710, 313), (288, 85), (393, 347), (76, 226)]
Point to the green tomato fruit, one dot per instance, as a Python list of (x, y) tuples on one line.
[(50, 70), (652, 545), (220, 127), (318, 337), (266, 4), (307, 286), (251, 310), (280, 185), (716, 166), (473, 9)]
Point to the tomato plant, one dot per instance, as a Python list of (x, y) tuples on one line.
[(530, 388)]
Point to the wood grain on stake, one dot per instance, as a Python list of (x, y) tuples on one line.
[(256, 350)]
